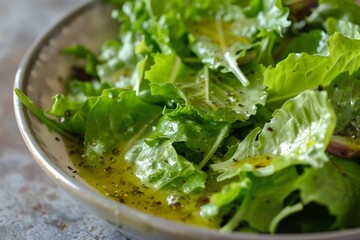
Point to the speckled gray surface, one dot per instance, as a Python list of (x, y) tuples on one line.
[(31, 205)]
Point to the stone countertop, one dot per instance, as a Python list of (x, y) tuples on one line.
[(32, 206)]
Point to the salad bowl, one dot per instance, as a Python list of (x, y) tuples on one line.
[(40, 76)]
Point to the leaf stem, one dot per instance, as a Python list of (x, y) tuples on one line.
[(149, 8), (238, 217), (130, 142), (175, 70), (220, 31), (207, 84), (236, 70), (224, 131), (40, 114), (230, 60)]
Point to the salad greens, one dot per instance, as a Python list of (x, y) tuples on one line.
[(258, 97)]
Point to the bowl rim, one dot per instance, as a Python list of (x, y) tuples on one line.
[(71, 185)]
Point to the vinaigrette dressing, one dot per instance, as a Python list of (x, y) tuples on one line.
[(114, 177)]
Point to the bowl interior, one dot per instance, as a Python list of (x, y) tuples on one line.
[(41, 76)]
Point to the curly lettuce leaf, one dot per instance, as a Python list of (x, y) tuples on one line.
[(221, 41), (74, 107), (300, 72), (270, 15), (161, 167), (298, 133), (118, 62), (169, 68), (345, 27), (80, 91), (73, 114)]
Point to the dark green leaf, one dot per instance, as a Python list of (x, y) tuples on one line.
[(117, 120)]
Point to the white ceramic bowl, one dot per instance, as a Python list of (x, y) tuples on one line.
[(41, 76)]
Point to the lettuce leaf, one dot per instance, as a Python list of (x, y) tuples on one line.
[(300, 72), (298, 134), (313, 42), (336, 186), (220, 42), (214, 97), (161, 167), (206, 137), (345, 27), (345, 9), (113, 120), (117, 120), (261, 195), (345, 96), (80, 91)]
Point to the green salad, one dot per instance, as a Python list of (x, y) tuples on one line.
[(259, 99)]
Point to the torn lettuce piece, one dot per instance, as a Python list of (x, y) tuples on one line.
[(218, 97), (221, 41), (119, 61), (159, 166), (220, 49), (344, 93), (271, 16), (335, 186), (300, 72), (73, 115), (169, 68), (80, 91), (258, 201), (313, 43), (43, 116), (345, 27), (198, 135), (298, 133), (231, 196), (116, 121)]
